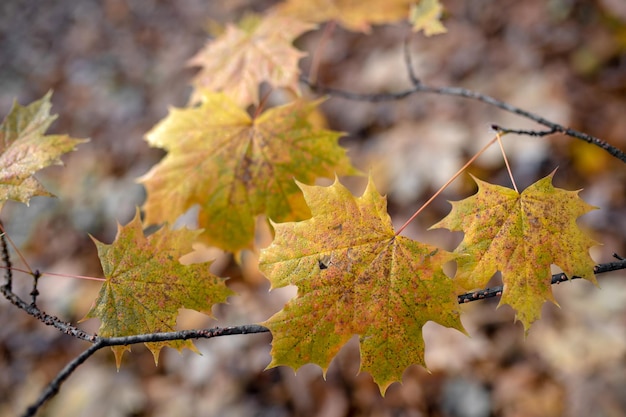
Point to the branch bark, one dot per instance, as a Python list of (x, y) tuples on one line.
[(420, 87), (53, 387)]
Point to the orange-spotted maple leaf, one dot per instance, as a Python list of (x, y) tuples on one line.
[(258, 50), (355, 15), (235, 167), (146, 285), (520, 235), (25, 149), (355, 277)]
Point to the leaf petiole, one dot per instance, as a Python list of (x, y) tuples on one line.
[(506, 161), (443, 187)]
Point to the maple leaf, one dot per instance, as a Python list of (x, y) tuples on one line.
[(236, 168), (25, 149), (260, 49), (355, 15), (521, 235), (355, 277), (426, 16), (146, 285)]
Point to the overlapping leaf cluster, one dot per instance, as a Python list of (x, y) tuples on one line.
[(235, 167), (354, 274)]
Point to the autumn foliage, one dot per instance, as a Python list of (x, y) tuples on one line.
[(237, 158), (236, 168), (146, 285), (355, 277), (25, 149)]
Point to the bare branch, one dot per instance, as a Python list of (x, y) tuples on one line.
[(556, 279), (465, 93), (45, 318), (53, 387), (408, 62), (6, 258), (35, 292), (536, 133), (183, 335)]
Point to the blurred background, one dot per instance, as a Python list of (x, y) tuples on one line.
[(116, 66)]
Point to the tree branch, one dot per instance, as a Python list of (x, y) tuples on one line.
[(53, 387), (6, 259), (419, 87), (536, 133), (43, 317), (556, 279)]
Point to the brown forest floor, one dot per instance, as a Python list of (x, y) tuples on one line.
[(116, 66)]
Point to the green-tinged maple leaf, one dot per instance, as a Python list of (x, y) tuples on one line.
[(241, 58), (426, 16), (355, 277), (25, 149), (146, 285), (520, 235), (355, 15), (235, 167)]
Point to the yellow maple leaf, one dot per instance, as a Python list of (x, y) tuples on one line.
[(235, 167), (355, 277), (146, 285), (25, 149), (355, 15), (520, 235), (241, 58), (426, 16)]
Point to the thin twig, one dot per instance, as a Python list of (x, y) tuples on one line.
[(35, 292), (408, 62), (443, 187), (19, 253), (537, 133), (53, 387), (465, 93), (6, 258), (556, 279), (45, 318)]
